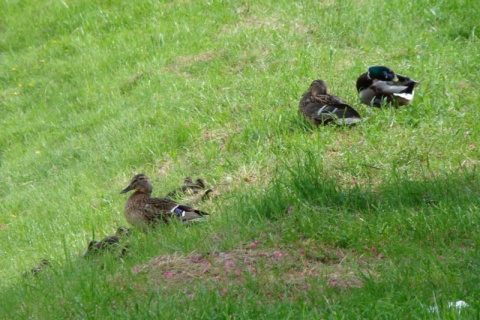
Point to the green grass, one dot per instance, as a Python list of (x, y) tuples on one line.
[(375, 221)]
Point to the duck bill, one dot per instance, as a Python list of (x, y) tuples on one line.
[(126, 189), (395, 79)]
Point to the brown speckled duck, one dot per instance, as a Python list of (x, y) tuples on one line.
[(380, 85), (107, 243), (322, 108), (143, 211)]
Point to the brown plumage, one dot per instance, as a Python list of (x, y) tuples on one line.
[(107, 243), (322, 108), (39, 268), (207, 195), (142, 211), (189, 188), (194, 191)]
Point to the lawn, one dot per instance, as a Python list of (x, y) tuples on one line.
[(375, 221)]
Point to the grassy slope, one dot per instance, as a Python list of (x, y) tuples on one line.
[(93, 92)]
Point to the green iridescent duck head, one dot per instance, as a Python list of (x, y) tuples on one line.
[(381, 73)]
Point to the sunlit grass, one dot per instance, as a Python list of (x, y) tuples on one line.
[(384, 214)]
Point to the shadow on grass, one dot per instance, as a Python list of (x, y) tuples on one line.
[(301, 203), (309, 184), (306, 201)]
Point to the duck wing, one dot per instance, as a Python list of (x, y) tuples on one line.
[(401, 92), (363, 82), (309, 98), (407, 81), (324, 109), (158, 209), (187, 213), (389, 87), (163, 209), (326, 99)]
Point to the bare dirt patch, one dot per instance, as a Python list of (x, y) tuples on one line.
[(295, 268)]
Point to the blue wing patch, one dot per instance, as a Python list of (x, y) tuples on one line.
[(178, 212)]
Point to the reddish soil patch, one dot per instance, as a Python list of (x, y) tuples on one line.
[(292, 267)]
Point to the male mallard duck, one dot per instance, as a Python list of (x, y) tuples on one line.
[(107, 243), (321, 108), (141, 210), (380, 85)]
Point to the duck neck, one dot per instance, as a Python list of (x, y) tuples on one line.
[(139, 196)]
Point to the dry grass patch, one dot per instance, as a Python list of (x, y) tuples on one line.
[(182, 61), (298, 268)]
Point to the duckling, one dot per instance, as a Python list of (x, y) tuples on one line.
[(189, 188), (380, 85), (142, 211), (207, 195), (107, 243), (39, 268), (322, 108), (192, 190)]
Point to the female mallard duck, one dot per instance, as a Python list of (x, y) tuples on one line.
[(380, 85), (142, 211), (321, 108), (107, 243)]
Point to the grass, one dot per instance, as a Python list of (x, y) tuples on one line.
[(375, 221)]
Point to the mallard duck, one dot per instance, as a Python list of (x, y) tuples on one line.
[(39, 268), (107, 243), (322, 108), (380, 85), (142, 211), (207, 195), (189, 188)]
